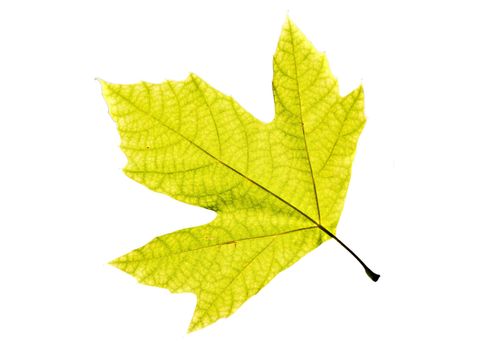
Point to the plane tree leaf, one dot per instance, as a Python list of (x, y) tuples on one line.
[(278, 188)]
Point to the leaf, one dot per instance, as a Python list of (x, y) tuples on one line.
[(278, 188)]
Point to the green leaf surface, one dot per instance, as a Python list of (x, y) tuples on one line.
[(278, 188)]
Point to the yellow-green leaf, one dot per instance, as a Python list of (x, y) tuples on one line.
[(278, 188)]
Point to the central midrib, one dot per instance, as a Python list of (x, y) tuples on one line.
[(302, 126)]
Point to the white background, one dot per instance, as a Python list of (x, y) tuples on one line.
[(414, 210)]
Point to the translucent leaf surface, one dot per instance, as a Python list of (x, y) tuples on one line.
[(277, 187)]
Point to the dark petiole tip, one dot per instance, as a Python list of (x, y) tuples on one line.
[(374, 276)]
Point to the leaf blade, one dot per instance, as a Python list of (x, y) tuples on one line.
[(278, 188)]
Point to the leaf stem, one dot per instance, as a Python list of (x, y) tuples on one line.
[(374, 276)]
